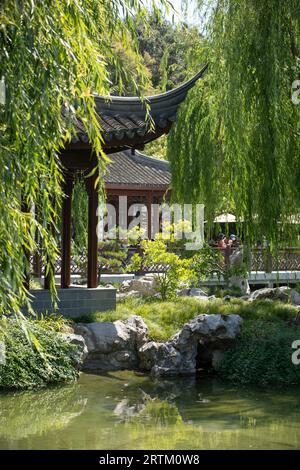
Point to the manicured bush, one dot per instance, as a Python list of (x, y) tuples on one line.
[(262, 355), (35, 354)]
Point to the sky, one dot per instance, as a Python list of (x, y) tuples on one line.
[(189, 17)]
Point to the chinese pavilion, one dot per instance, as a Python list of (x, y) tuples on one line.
[(125, 128)]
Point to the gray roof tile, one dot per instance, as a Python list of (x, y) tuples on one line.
[(137, 170), (124, 118)]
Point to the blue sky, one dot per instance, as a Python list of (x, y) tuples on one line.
[(190, 17)]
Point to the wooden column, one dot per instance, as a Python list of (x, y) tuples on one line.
[(48, 276), (47, 280), (66, 233), (92, 190), (37, 260), (149, 213), (37, 265)]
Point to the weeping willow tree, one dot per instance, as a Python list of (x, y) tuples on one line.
[(239, 129), (53, 56)]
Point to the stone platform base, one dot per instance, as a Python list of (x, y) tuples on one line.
[(75, 301)]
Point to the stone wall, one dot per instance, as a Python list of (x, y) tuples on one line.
[(76, 301)]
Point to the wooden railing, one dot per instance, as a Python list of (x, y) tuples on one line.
[(260, 260), (284, 260)]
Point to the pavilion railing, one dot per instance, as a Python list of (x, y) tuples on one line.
[(260, 260)]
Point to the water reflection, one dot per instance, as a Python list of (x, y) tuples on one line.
[(128, 411), (31, 413)]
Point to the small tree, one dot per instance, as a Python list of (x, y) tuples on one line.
[(208, 262), (112, 256), (174, 270), (113, 252)]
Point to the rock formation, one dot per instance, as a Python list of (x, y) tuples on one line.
[(125, 345)]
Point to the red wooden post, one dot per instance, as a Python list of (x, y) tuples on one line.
[(66, 233), (47, 278), (51, 272), (37, 265), (92, 190), (149, 213)]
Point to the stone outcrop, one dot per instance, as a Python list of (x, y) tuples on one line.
[(200, 343), (241, 283), (277, 293), (295, 297), (143, 286), (80, 343), (125, 345), (113, 346)]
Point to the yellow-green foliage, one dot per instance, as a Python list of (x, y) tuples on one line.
[(177, 269), (54, 55), (238, 134)]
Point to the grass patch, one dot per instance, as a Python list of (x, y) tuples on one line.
[(35, 353), (165, 318)]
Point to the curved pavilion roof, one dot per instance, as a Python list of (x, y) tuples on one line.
[(123, 119)]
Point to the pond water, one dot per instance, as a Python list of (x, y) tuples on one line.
[(123, 410)]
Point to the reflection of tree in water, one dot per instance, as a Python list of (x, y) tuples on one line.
[(173, 416), (122, 410), (32, 413), (155, 411)]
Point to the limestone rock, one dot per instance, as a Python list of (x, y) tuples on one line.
[(201, 341), (199, 293), (160, 358), (277, 293), (183, 292), (236, 258), (125, 345), (143, 286), (125, 286), (240, 282), (193, 292), (113, 346), (295, 297), (125, 295), (79, 342)]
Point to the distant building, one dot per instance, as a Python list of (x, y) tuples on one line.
[(142, 179)]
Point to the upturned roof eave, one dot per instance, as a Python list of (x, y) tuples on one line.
[(172, 96)]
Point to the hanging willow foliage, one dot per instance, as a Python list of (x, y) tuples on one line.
[(237, 135), (53, 55)]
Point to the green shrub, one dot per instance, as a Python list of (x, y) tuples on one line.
[(262, 355), (234, 291), (35, 354), (177, 270)]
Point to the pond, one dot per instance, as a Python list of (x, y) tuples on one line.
[(123, 410)]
